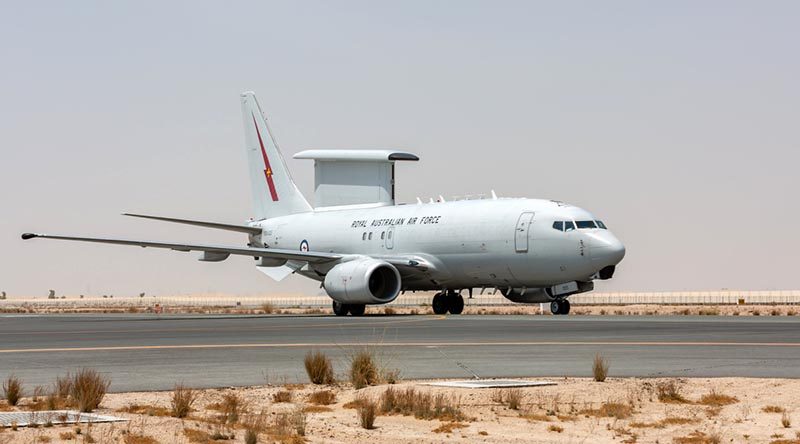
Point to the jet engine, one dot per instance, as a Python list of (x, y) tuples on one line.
[(363, 281)]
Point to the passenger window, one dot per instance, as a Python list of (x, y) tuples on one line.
[(601, 224), (370, 235), (584, 224), (390, 235), (569, 225), (558, 225), (383, 235), (364, 236)]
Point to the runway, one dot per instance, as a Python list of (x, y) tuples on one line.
[(148, 352)]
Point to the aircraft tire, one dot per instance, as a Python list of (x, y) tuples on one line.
[(340, 309), (565, 307), (555, 307), (455, 304), (439, 304), (357, 309)]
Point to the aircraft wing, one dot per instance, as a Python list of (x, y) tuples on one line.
[(305, 256)]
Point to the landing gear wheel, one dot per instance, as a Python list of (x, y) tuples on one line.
[(559, 307), (455, 304), (340, 309), (357, 309), (439, 304)]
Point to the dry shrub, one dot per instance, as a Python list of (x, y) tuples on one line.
[(319, 368), (717, 399), (282, 396), (363, 369), (88, 389), (133, 438), (289, 426), (421, 405), (773, 409), (12, 389), (230, 408), (514, 398), (786, 421), (698, 437), (670, 392), (599, 368), (616, 410), (66, 436), (555, 428), (354, 404), (197, 436), (253, 425), (367, 410), (322, 397), (666, 422), (317, 409), (267, 308), (44, 439), (149, 410), (182, 400), (448, 427), (531, 416)]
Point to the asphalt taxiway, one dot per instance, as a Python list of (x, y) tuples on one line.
[(150, 352)]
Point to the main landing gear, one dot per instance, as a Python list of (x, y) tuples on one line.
[(559, 307), (340, 309), (449, 301)]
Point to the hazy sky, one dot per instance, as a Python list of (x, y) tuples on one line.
[(678, 123)]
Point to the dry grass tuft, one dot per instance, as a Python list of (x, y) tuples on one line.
[(319, 368), (421, 405), (12, 389), (149, 410), (134, 438), (182, 400), (66, 436), (197, 436), (88, 388), (555, 428), (599, 368), (616, 410), (717, 399), (282, 396), (448, 427), (698, 437), (367, 411), (317, 409), (530, 416), (267, 308), (389, 311), (666, 422), (363, 369), (669, 392), (786, 421), (354, 404), (773, 409), (231, 408), (322, 397), (514, 398), (289, 427)]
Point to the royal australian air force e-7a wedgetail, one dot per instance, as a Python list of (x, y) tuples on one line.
[(366, 249)]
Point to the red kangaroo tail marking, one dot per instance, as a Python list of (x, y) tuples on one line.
[(267, 168)]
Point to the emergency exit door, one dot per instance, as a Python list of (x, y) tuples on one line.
[(521, 235)]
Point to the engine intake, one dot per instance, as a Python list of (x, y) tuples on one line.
[(363, 281)]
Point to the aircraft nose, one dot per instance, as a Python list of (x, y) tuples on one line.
[(606, 248)]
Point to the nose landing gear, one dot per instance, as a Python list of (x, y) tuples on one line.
[(448, 302), (559, 307)]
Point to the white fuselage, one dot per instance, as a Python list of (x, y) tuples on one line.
[(504, 243)]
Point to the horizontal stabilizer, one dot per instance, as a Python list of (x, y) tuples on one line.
[(230, 227)]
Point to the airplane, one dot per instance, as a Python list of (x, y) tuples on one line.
[(366, 249)]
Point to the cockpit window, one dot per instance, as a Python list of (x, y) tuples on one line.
[(558, 225), (569, 225), (584, 224), (601, 224)]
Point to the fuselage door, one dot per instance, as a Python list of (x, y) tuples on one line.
[(521, 233), (390, 238)]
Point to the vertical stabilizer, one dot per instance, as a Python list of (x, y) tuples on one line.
[(274, 191)]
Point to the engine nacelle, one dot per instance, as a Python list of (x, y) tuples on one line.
[(209, 256), (363, 281)]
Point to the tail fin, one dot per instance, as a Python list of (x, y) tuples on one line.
[(274, 191)]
